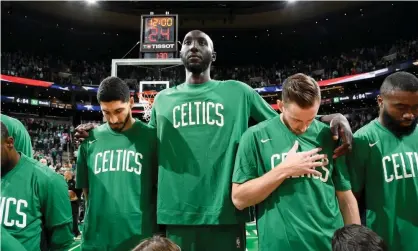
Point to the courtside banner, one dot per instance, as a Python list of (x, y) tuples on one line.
[(333, 81), (26, 81), (46, 84), (350, 78)]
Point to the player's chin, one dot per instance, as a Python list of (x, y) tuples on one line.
[(406, 123), (116, 128), (195, 68), (298, 132)]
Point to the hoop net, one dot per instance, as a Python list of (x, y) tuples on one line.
[(146, 99)]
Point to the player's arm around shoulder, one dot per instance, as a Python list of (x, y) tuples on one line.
[(260, 110), (56, 207), (82, 179)]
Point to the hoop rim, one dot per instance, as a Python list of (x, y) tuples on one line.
[(148, 96)]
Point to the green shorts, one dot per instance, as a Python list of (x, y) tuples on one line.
[(208, 237)]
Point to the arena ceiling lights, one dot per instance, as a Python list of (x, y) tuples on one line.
[(91, 1)]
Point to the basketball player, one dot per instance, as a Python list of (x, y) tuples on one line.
[(116, 169), (19, 133), (199, 124), (33, 199), (384, 163), (357, 238), (301, 195)]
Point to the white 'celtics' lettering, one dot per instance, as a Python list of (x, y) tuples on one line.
[(198, 113), (12, 212), (400, 166), (278, 158), (118, 160)]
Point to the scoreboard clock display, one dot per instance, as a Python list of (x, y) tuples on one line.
[(160, 55), (159, 35)]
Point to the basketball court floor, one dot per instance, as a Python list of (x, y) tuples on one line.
[(252, 239)]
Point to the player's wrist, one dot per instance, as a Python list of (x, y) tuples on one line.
[(282, 171)]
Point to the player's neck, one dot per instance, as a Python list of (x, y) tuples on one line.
[(14, 159), (129, 124), (197, 78), (381, 121)]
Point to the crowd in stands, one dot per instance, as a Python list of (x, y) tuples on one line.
[(50, 140), (357, 60)]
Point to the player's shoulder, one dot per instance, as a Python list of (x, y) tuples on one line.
[(231, 83), (321, 132), (261, 128), (166, 92), (96, 132), (43, 172), (321, 127), (144, 127), (101, 128), (367, 130), (11, 123)]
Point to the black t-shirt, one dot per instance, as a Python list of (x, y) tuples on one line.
[(71, 186)]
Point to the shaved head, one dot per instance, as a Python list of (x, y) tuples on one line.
[(197, 53), (399, 81), (202, 34)]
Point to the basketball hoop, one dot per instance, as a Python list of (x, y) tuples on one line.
[(146, 99)]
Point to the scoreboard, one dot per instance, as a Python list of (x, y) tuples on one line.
[(159, 36)]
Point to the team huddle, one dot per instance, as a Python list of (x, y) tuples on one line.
[(196, 169)]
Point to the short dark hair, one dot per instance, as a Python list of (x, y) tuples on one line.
[(399, 81), (4, 131), (357, 238), (113, 89), (301, 89)]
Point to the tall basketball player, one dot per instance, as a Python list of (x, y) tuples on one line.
[(199, 124), (116, 168), (301, 194), (33, 199), (384, 163)]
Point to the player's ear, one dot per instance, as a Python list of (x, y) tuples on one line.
[(380, 101), (280, 105), (213, 56), (131, 102), (10, 142)]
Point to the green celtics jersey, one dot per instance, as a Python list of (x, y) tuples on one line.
[(199, 127), (19, 133), (33, 198), (119, 169), (303, 212), (386, 167), (9, 243)]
